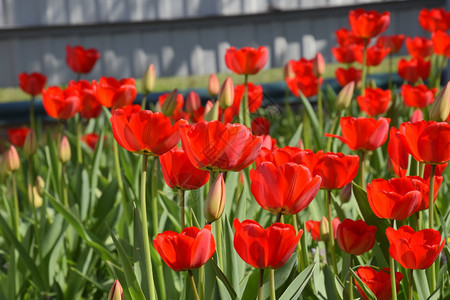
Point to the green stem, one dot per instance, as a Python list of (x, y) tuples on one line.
[(331, 235), (431, 223), (16, 206), (393, 286), (194, 288), (260, 284), (32, 119), (144, 101), (350, 281), (272, 284), (201, 282), (148, 258), (244, 105), (120, 182), (364, 67), (300, 262), (362, 163), (410, 284), (64, 186), (181, 195), (79, 153), (320, 106), (218, 224), (421, 168)]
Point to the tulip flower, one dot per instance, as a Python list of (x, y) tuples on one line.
[(375, 55), (180, 173), (379, 282), (90, 106), (374, 101), (281, 156), (423, 185), (214, 146), (417, 96), (355, 237), (346, 37), (260, 126), (114, 93), (368, 24), (91, 140), (81, 60), (17, 135), (414, 250), (265, 248), (287, 189), (414, 69), (33, 83), (145, 132), (441, 43), (397, 153), (434, 19), (344, 54), (187, 250), (419, 47), (345, 76), (255, 97), (61, 104), (307, 84), (365, 134), (313, 227), (393, 42), (395, 199), (246, 60)]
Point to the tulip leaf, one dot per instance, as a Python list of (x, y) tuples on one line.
[(224, 280), (363, 286), (314, 121), (139, 254), (294, 290), (293, 142), (421, 283)]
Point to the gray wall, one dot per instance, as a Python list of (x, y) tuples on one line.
[(183, 47)]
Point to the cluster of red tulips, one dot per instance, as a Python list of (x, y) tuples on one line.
[(387, 220)]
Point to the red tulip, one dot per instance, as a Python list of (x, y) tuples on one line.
[(397, 153), (374, 101), (17, 136), (91, 140), (114, 93), (414, 69), (345, 76), (301, 67), (414, 250), (260, 126), (287, 189), (441, 43), (246, 60), (193, 102), (368, 24), (416, 116), (344, 54), (375, 55), (215, 146), (417, 96), (265, 248), (393, 42), (379, 282), (281, 156), (427, 142), (187, 250), (395, 199), (307, 84), (131, 109), (32, 83), (61, 104), (255, 97), (365, 134), (90, 107), (419, 47), (145, 132), (346, 37), (423, 185), (313, 227), (434, 19), (81, 60), (180, 173), (355, 237)]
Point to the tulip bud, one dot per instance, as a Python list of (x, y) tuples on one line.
[(226, 94), (440, 108), (34, 197), (289, 71), (64, 150), (192, 102), (40, 185), (116, 292), (346, 192), (148, 79), (345, 96), (211, 111), (30, 145), (215, 201), (324, 229), (416, 116), (170, 103), (213, 85), (318, 65), (11, 159)]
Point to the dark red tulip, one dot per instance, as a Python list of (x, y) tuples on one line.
[(441, 43), (393, 42), (374, 55), (344, 54), (246, 60), (265, 248), (414, 250), (91, 140), (307, 84), (145, 132), (301, 67), (33, 83), (434, 19), (374, 101), (187, 250), (180, 173), (355, 237), (397, 153), (90, 107), (419, 47), (414, 69), (346, 37), (379, 282), (114, 93), (255, 97), (287, 189), (368, 24), (313, 227), (417, 96), (345, 76), (365, 134), (81, 60), (260, 126), (61, 104), (17, 136)]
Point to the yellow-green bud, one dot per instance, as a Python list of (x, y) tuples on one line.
[(215, 201), (11, 159), (40, 185), (170, 103), (148, 79), (226, 94), (345, 96), (211, 111), (440, 108), (213, 85), (324, 229), (30, 145), (116, 292), (64, 153)]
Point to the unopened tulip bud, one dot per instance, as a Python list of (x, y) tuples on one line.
[(11, 158), (170, 103), (318, 65), (346, 192), (116, 292), (416, 116), (345, 96), (192, 102), (288, 71), (34, 198), (440, 108), (148, 80), (213, 85), (211, 111), (64, 150), (40, 185), (226, 94), (215, 201), (324, 229), (30, 145)]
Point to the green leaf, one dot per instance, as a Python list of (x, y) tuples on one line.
[(296, 136), (421, 283), (296, 287), (364, 287), (139, 254), (314, 121), (224, 280)]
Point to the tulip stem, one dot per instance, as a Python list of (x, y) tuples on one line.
[(431, 223), (350, 281), (219, 241), (64, 186), (194, 288), (144, 101), (278, 219), (331, 235), (148, 258), (32, 120), (181, 195), (120, 182), (244, 106), (260, 285), (334, 125), (364, 67), (272, 284), (300, 262), (320, 106), (410, 284), (16, 206), (78, 129), (393, 287), (362, 164)]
